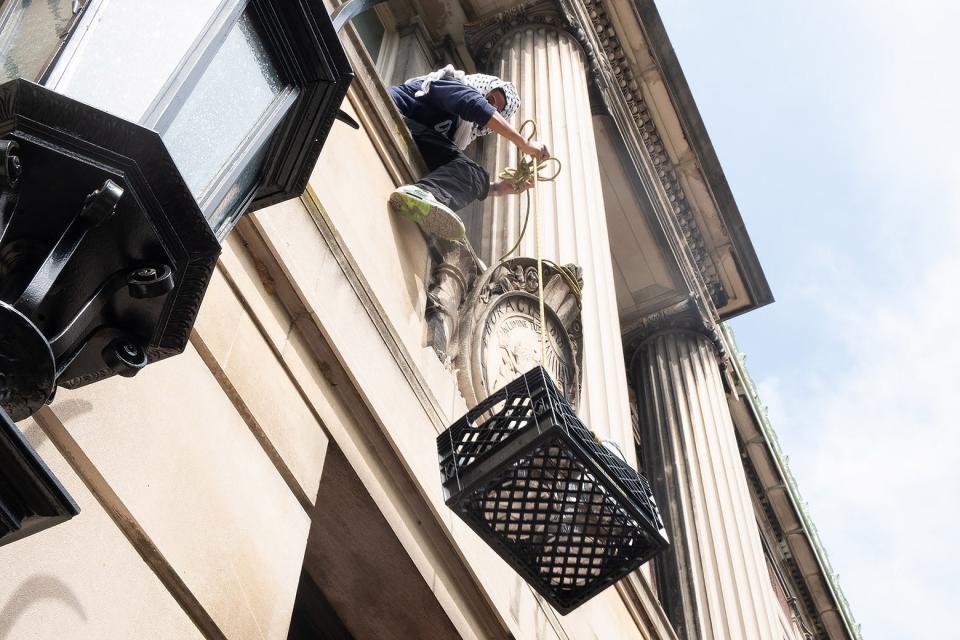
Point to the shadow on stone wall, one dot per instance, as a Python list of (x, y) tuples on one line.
[(32, 591)]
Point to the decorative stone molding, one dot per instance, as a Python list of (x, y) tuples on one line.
[(630, 89), (686, 315), (498, 329), (682, 315), (486, 326), (454, 271), (606, 60), (483, 37)]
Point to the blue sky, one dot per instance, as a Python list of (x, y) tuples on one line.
[(838, 126)]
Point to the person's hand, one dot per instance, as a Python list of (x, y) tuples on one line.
[(506, 187), (536, 150)]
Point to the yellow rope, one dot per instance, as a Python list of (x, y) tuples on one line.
[(536, 245), (530, 168), (526, 169), (519, 176)]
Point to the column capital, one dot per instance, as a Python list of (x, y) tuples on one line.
[(483, 36), (683, 317)]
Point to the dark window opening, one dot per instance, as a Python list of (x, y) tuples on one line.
[(372, 31)]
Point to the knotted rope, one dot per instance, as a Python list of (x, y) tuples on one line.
[(529, 168), (519, 178)]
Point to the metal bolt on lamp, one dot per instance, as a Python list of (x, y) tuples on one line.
[(565, 511)]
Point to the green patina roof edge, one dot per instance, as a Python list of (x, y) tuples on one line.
[(760, 411)]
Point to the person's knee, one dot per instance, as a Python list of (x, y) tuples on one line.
[(478, 176)]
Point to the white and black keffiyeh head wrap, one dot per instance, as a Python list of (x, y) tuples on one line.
[(467, 131)]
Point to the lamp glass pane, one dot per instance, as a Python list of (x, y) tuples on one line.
[(223, 215), (126, 51), (225, 108)]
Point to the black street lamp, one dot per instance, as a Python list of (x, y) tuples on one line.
[(564, 510), (133, 136)]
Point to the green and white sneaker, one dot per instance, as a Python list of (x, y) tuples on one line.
[(422, 207)]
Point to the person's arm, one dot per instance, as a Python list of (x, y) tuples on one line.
[(469, 104), (466, 102), (499, 125)]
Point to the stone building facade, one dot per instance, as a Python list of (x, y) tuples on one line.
[(279, 479)]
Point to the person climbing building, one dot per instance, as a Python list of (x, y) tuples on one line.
[(445, 112)]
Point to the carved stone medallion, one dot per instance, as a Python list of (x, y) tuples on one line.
[(509, 344), (500, 330)]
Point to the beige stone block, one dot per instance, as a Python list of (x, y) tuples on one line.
[(507, 590), (241, 353), (382, 487), (295, 234), (391, 251), (347, 325), (341, 425), (443, 384), (604, 616), (277, 407), (82, 579), (174, 450), (304, 367), (219, 317), (255, 288)]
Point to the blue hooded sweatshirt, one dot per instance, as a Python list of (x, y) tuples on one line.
[(443, 105)]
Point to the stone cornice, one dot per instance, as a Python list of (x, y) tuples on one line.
[(621, 91), (762, 451), (701, 149)]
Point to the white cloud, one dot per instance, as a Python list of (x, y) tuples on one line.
[(835, 121), (876, 449)]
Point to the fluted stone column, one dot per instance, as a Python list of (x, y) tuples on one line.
[(715, 581), (549, 70)]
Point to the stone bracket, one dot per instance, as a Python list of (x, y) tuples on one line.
[(454, 269), (484, 322)]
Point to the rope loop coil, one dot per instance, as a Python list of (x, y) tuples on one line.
[(519, 177), (529, 168)]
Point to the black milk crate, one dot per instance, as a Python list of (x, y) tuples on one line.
[(565, 511)]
